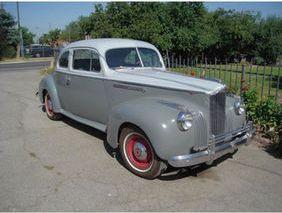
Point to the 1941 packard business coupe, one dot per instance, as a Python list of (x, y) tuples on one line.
[(155, 117)]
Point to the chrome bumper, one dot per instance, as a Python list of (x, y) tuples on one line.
[(218, 146)]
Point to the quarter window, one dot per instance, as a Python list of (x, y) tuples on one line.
[(64, 60), (86, 60)]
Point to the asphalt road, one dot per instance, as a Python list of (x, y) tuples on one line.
[(23, 66), (66, 166)]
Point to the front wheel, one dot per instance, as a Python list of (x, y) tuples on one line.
[(138, 154), (48, 105)]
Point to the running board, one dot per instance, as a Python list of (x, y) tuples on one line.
[(93, 124)]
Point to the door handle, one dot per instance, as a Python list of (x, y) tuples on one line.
[(68, 80)]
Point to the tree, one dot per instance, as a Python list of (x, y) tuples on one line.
[(235, 31), (7, 32), (9, 35), (51, 38), (268, 39), (27, 36), (183, 28), (72, 32)]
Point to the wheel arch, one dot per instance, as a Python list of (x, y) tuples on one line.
[(47, 84), (156, 121)]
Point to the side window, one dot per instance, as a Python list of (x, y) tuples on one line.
[(86, 60), (64, 60)]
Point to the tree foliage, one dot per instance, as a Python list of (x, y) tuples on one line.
[(9, 35), (184, 28), (51, 37)]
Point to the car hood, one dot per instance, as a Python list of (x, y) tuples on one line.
[(166, 79)]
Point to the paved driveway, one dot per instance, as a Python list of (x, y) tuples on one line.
[(66, 166)]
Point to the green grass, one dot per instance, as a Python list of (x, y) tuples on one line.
[(231, 74)]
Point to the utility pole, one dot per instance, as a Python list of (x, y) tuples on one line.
[(20, 32)]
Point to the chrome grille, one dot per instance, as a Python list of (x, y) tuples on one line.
[(201, 136), (217, 113)]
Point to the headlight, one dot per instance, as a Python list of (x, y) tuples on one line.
[(184, 121), (239, 108)]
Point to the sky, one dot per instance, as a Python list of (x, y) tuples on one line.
[(40, 17)]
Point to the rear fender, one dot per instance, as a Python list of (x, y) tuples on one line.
[(48, 83)]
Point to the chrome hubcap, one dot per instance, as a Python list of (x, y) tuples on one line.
[(140, 151)]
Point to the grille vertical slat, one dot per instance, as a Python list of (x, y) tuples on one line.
[(217, 113), (201, 131)]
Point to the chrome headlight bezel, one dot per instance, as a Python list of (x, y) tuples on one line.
[(239, 107), (184, 120)]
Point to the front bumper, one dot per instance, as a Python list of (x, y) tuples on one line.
[(218, 146)]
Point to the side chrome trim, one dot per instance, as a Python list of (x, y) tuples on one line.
[(122, 86)]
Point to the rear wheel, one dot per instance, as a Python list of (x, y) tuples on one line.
[(138, 153), (48, 105)]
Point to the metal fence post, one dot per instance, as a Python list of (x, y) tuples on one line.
[(257, 75), (215, 64), (242, 79), (277, 83), (236, 76), (168, 60), (270, 81), (263, 77)]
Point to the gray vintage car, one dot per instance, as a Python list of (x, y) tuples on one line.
[(153, 116)]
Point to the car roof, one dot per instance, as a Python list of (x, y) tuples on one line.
[(104, 44)]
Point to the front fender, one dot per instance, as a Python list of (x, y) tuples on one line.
[(48, 83), (157, 118)]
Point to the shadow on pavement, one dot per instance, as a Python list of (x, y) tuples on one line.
[(169, 175), (97, 134), (274, 150), (176, 173)]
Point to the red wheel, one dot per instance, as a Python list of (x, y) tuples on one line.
[(48, 105), (138, 153)]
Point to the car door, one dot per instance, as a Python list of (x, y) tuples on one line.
[(85, 88), (61, 77)]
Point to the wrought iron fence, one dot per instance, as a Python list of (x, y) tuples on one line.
[(238, 76)]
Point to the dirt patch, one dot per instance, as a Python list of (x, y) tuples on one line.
[(268, 146), (48, 167)]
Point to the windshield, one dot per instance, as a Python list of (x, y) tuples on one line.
[(128, 57)]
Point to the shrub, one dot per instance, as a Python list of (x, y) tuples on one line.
[(251, 101), (258, 60), (265, 114), (8, 52)]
